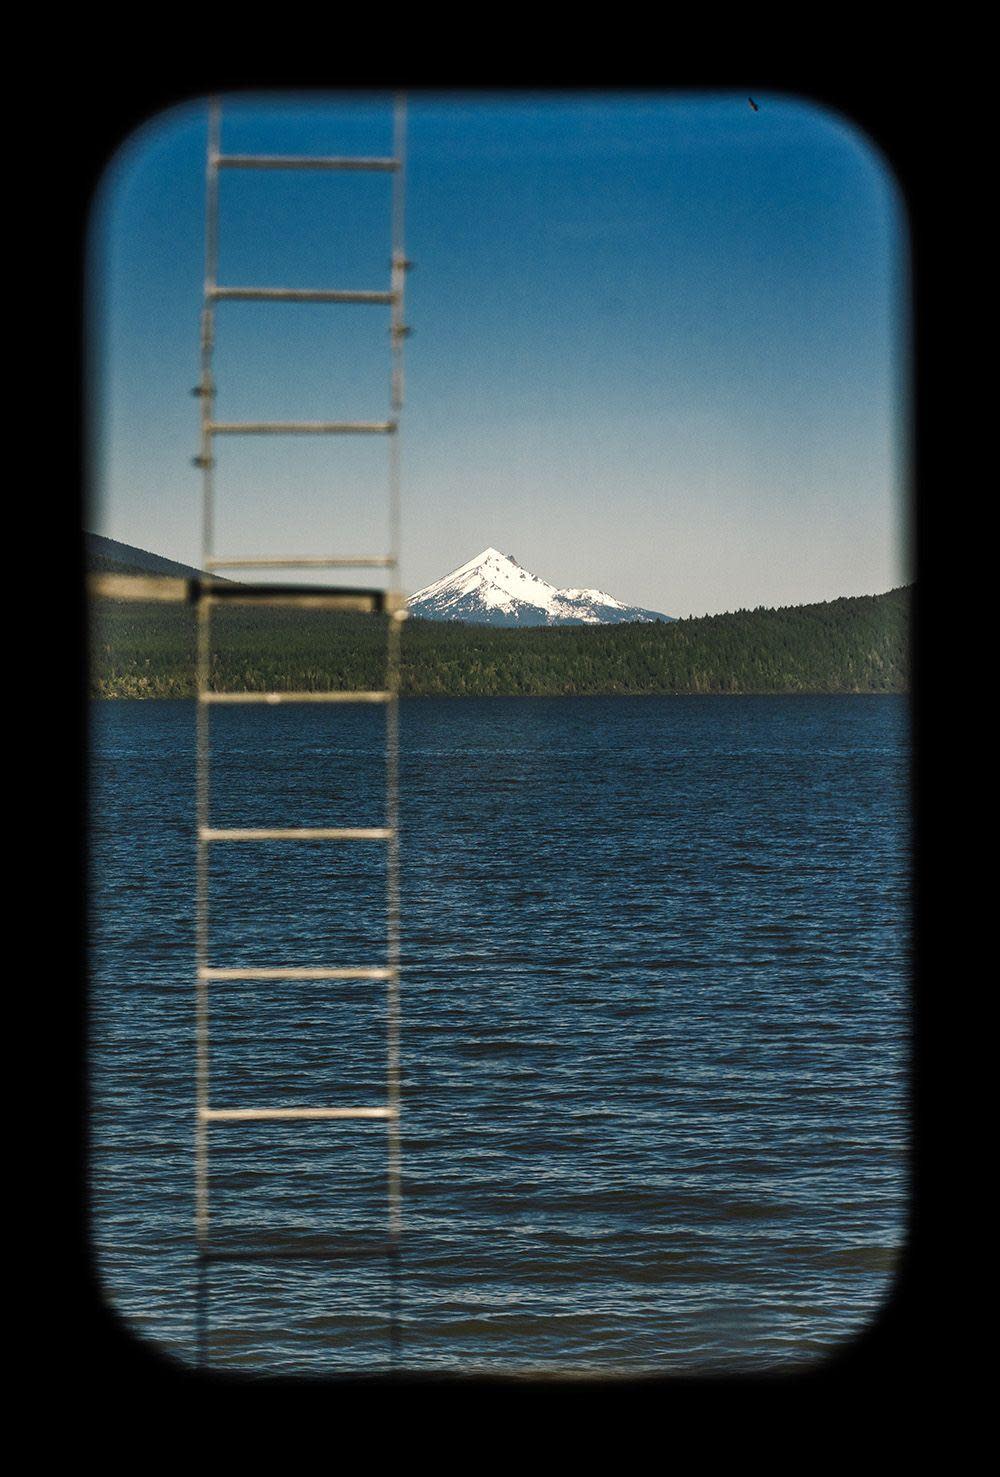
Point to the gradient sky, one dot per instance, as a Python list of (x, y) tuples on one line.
[(659, 343)]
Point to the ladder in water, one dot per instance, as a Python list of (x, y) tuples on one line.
[(206, 593), (390, 602)]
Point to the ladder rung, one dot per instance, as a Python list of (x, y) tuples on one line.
[(301, 161), (138, 587), (240, 1115), (358, 972), (299, 833), (300, 428), (307, 561), (332, 597), (297, 1248), (296, 295), (294, 697)]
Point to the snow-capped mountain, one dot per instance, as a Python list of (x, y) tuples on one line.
[(493, 590)]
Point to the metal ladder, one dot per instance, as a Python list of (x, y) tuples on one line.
[(210, 593)]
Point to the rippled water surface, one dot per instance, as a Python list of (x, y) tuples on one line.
[(655, 1030)]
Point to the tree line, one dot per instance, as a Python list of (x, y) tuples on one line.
[(856, 644)]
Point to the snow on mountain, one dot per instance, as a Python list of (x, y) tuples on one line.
[(494, 590)]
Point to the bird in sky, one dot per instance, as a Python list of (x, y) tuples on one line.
[(753, 104)]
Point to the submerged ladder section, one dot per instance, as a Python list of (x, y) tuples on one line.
[(208, 593)]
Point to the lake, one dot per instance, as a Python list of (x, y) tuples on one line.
[(655, 1031)]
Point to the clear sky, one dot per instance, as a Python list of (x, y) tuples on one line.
[(659, 342)]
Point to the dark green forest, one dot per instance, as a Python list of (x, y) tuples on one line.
[(858, 644)]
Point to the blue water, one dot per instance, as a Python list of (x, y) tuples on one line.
[(655, 1030)]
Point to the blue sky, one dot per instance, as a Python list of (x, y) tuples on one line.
[(659, 342)]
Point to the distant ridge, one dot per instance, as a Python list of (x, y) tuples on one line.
[(108, 556)]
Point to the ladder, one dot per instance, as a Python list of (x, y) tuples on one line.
[(211, 593)]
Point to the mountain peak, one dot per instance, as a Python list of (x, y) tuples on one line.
[(492, 556), (493, 589)]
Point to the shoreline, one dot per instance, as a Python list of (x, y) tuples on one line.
[(161, 697)]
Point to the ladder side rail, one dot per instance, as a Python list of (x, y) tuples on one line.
[(203, 675), (394, 624)]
